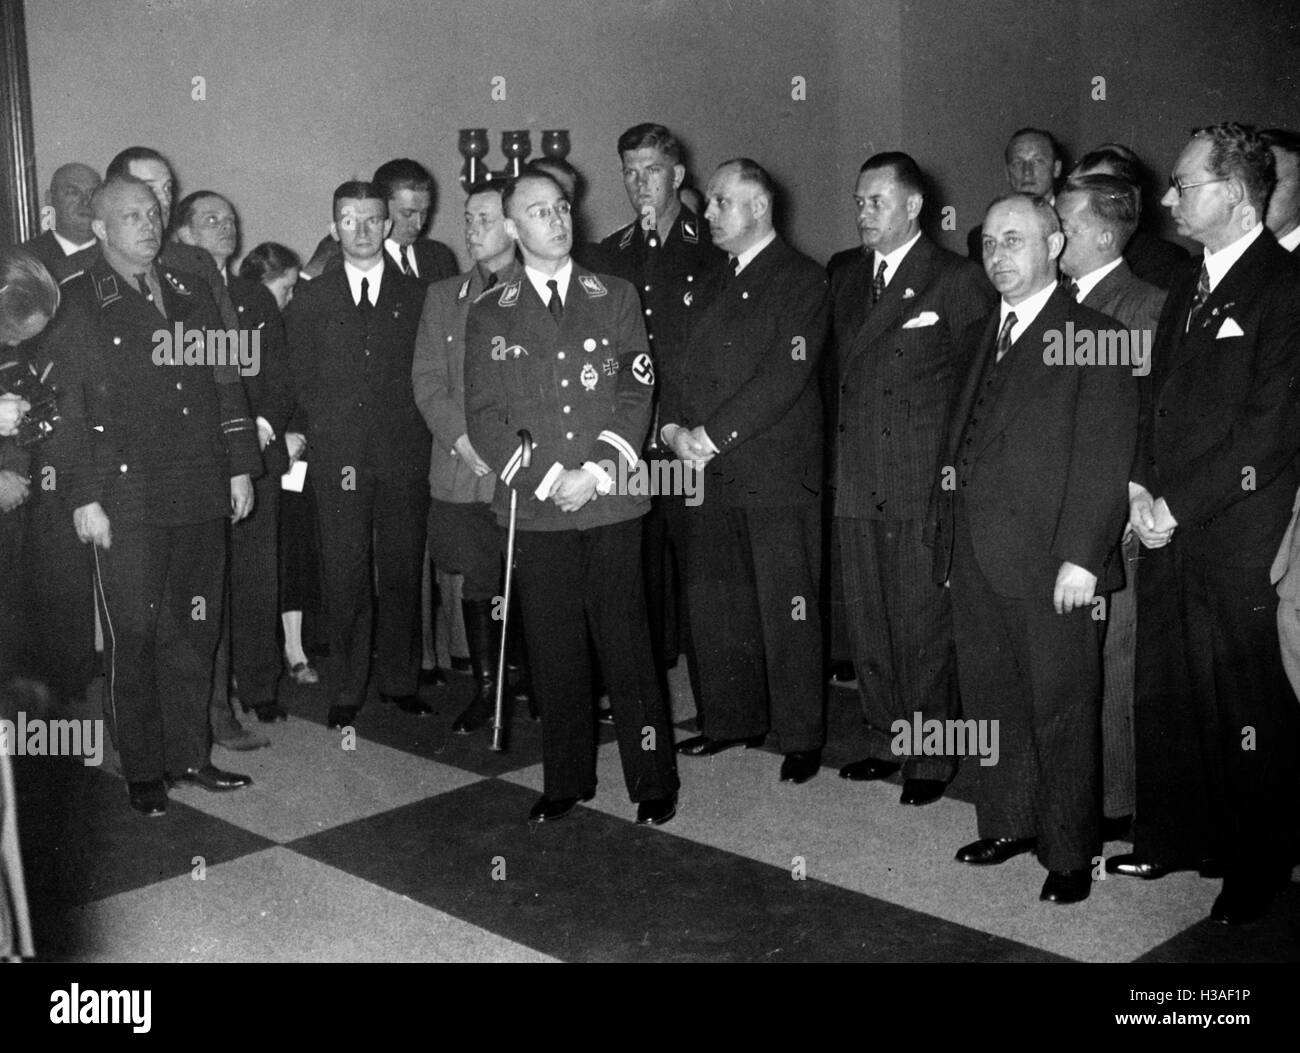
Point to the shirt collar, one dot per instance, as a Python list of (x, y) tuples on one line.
[(354, 275), (1092, 279), (893, 259), (395, 251), (747, 257), (1217, 264), (67, 246), (1026, 311), (1291, 240), (560, 277)]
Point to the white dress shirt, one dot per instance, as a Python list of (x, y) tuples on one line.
[(355, 274)]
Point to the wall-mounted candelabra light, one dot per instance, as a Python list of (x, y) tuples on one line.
[(473, 146)]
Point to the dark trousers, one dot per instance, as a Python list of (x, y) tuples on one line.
[(1217, 727), (1038, 674), (465, 539), (59, 585), (13, 599), (160, 593), (255, 596), (752, 582), (1118, 676), (900, 628), (674, 525), (569, 583), (392, 514)]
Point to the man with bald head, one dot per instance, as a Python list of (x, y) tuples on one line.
[(69, 195), (151, 458), (1029, 507), (741, 405), (1033, 165)]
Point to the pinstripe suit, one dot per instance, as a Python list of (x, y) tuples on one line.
[(896, 383), (1137, 305)]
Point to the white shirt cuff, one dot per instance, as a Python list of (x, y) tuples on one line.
[(604, 482), (543, 490), (712, 448)]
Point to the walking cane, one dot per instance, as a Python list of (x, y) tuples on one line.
[(498, 716)]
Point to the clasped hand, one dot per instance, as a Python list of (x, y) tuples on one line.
[(572, 489), (692, 446), (1150, 517)]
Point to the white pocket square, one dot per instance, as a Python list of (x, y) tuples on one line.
[(1229, 328), (921, 320)]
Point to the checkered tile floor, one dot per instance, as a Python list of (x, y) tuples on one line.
[(414, 847)]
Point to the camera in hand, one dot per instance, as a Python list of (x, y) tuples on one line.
[(34, 387)]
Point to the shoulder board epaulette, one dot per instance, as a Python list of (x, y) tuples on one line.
[(627, 236), (176, 284), (106, 290), (463, 292), (509, 295), (690, 232), (591, 285)]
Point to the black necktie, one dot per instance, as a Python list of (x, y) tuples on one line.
[(491, 282), (878, 283), (556, 305), (1004, 337), (401, 259), (735, 265), (364, 305), (1071, 287), (1202, 294), (142, 280)]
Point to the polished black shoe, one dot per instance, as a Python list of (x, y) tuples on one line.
[(408, 704), (1128, 865), (800, 766), (341, 717), (547, 810), (869, 769), (658, 811), (461, 665), (478, 712), (1241, 903), (922, 791), (988, 851), (605, 716), (148, 798), (1066, 886), (268, 712), (843, 674), (213, 779), (435, 676), (703, 746)]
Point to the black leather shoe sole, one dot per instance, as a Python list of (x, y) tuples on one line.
[(868, 770), (547, 810)]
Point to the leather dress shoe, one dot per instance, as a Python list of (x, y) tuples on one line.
[(1241, 903), (800, 766), (922, 791), (148, 798), (213, 779), (703, 746), (341, 717), (1128, 865), (434, 676), (1066, 886), (547, 810), (605, 716), (988, 851), (481, 709), (868, 769), (268, 712), (408, 704), (658, 811)]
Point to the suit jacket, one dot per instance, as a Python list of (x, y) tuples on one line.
[(353, 383), (433, 259), (1220, 426), (897, 379), (151, 442), (1153, 259), (581, 386), (46, 248), (1044, 479), (268, 388), (1128, 299), (749, 375), (438, 377)]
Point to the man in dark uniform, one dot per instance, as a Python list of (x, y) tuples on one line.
[(351, 336), (152, 456), (666, 255), (743, 402), (560, 354)]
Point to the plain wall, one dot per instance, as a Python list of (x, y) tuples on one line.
[(302, 94)]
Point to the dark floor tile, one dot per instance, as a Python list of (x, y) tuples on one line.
[(81, 842), (597, 888), (1276, 938)]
